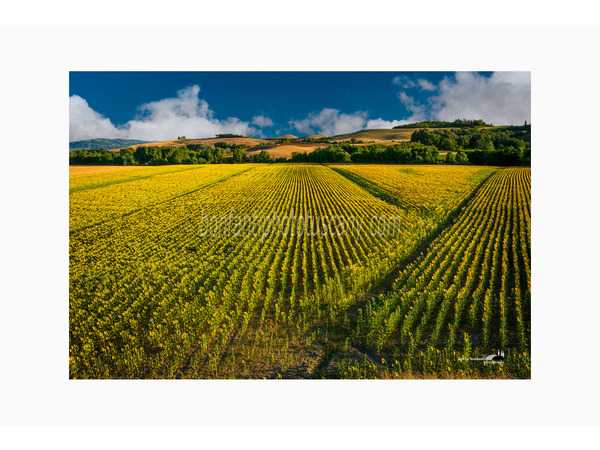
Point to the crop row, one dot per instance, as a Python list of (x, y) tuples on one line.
[(474, 278), (108, 199), (153, 294), (425, 188), (93, 177)]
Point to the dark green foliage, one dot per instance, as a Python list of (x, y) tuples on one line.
[(196, 147), (509, 156), (396, 154), (310, 140), (322, 155), (505, 146), (95, 157), (238, 156), (477, 139), (262, 157), (461, 158)]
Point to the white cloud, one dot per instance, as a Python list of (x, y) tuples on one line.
[(330, 122), (426, 85), (504, 98), (381, 123), (85, 123), (262, 121), (417, 109), (404, 82), (165, 119)]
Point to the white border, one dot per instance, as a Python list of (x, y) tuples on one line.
[(35, 389)]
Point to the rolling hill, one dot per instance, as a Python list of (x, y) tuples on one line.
[(108, 144), (275, 149), (385, 135)]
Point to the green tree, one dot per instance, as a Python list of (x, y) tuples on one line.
[(239, 156), (146, 154), (461, 158), (263, 157)]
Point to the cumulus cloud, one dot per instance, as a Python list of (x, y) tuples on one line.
[(330, 122), (85, 123), (262, 121), (164, 119), (504, 98)]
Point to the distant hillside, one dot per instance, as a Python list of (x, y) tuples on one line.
[(458, 123), (108, 144), (387, 135), (404, 132), (179, 143)]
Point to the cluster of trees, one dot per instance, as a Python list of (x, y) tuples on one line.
[(99, 156), (397, 154), (459, 158), (152, 155), (373, 154), (476, 139), (313, 140), (503, 157), (413, 153), (192, 154), (331, 154), (222, 144), (458, 123)]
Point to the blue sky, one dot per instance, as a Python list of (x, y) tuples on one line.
[(164, 105)]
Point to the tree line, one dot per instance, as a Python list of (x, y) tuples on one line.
[(404, 153), (458, 123), (508, 146), (218, 153)]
